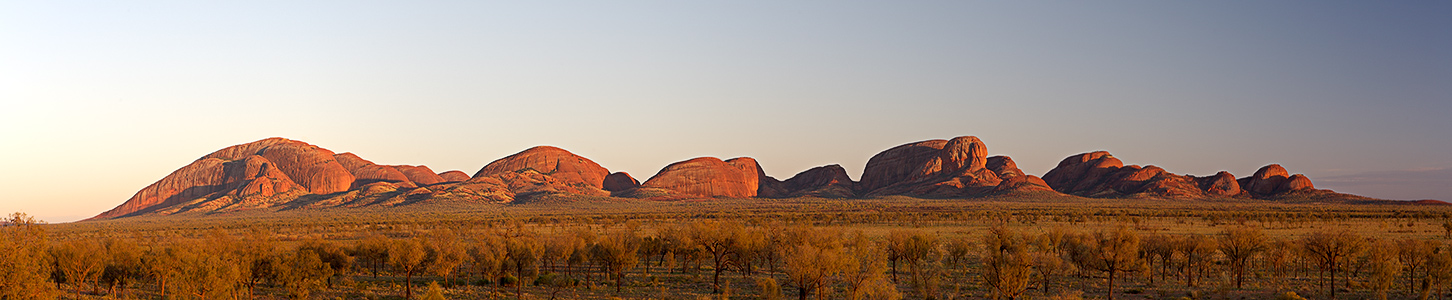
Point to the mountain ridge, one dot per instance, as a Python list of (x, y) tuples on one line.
[(280, 172)]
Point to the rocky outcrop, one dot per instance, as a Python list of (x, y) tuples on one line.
[(365, 172), (310, 166), (1099, 174), (421, 175), (1273, 179), (830, 181), (256, 174), (941, 169), (454, 176), (1221, 184), (709, 177), (564, 166), (620, 181), (546, 169)]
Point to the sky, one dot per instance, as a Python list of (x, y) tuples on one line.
[(99, 99)]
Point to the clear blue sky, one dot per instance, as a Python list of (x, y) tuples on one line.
[(99, 99)]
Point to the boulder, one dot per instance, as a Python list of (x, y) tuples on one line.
[(1221, 184), (1297, 182), (830, 181), (620, 181), (934, 168), (565, 167), (708, 177), (1268, 180)]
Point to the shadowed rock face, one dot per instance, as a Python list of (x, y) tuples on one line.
[(255, 174), (830, 181), (365, 172), (546, 169), (620, 181), (708, 177), (1221, 184), (1273, 180), (564, 166), (1098, 174), (421, 175), (941, 168)]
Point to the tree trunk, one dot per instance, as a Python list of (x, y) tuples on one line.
[(408, 284), (1111, 284)]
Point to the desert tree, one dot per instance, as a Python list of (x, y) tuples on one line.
[(1279, 257), (123, 265), (864, 269), (79, 261), (207, 269), (1329, 249), (751, 244), (1197, 250), (581, 239), (1384, 266), (1161, 248), (957, 250), (811, 260), (486, 256), (445, 253), (1007, 264), (557, 251), (23, 257), (617, 251), (521, 255), (914, 248), (256, 255), (719, 241), (1239, 245), (1439, 270), (372, 251), (408, 257), (1113, 252), (1413, 254), (302, 272)]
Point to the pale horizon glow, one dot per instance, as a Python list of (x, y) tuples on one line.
[(100, 99)]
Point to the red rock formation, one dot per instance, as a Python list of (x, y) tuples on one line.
[(366, 172), (1014, 179), (708, 177), (564, 166), (1221, 184), (256, 174), (1297, 182), (1266, 181), (421, 175), (530, 181), (830, 181), (454, 176), (1099, 174), (935, 168), (308, 165), (620, 181)]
